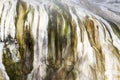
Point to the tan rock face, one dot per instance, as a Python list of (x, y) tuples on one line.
[(56, 41)]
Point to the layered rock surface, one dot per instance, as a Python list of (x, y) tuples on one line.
[(56, 40)]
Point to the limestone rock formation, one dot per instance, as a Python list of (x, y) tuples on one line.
[(58, 40)]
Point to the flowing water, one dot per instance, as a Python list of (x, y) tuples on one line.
[(57, 40)]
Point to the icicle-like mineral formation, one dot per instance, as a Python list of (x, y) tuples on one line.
[(58, 40)]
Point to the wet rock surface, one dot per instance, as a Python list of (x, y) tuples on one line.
[(55, 40)]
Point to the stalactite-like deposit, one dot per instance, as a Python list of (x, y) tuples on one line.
[(56, 40)]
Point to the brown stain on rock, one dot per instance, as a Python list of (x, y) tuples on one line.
[(94, 41), (19, 70)]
